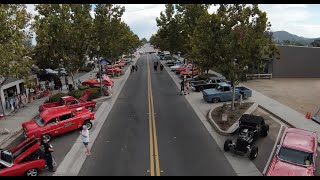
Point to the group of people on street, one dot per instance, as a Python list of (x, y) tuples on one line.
[(134, 68), (184, 87), (17, 101), (48, 148), (156, 64)]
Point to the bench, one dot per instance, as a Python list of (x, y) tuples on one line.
[(259, 76)]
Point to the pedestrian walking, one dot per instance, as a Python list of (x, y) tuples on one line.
[(186, 87), (132, 68), (136, 67), (17, 102), (182, 87), (85, 138), (60, 85), (48, 149), (66, 81)]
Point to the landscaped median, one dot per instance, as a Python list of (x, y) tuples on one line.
[(232, 117)]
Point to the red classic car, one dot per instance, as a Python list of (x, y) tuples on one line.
[(72, 102), (183, 68), (189, 72), (296, 154), (114, 70), (55, 121), (96, 83), (25, 159)]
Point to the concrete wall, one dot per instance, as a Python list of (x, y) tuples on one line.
[(297, 62)]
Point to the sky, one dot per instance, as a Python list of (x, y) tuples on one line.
[(299, 19)]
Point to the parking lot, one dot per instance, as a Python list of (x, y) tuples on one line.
[(301, 94)]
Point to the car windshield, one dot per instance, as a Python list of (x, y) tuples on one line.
[(39, 120), (296, 156), (6, 157)]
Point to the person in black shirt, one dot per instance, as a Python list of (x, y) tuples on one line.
[(48, 149)]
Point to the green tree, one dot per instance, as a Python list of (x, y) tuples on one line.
[(14, 19), (244, 41), (144, 41), (63, 35), (316, 43), (206, 41)]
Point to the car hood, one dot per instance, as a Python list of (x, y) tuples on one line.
[(211, 91), (30, 125), (281, 168)]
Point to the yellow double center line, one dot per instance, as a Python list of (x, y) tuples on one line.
[(154, 153)]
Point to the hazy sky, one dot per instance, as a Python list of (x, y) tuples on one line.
[(300, 19)]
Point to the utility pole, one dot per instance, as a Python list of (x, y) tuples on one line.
[(100, 73)]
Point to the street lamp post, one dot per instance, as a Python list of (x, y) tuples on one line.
[(100, 73)]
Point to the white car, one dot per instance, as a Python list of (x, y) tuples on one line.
[(50, 71), (173, 68), (63, 71)]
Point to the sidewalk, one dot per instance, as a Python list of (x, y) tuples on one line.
[(13, 122), (284, 112)]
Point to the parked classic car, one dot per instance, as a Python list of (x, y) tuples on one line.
[(106, 81), (183, 68), (250, 128), (55, 121), (295, 155), (224, 93), (206, 84), (189, 72), (25, 159), (72, 102)]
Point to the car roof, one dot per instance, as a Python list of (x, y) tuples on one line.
[(224, 84), (48, 114), (300, 139), (251, 119)]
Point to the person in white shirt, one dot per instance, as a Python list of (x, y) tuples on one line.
[(85, 138)]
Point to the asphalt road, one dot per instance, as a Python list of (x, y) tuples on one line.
[(123, 145)]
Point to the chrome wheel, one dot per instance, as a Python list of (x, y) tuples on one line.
[(32, 172)]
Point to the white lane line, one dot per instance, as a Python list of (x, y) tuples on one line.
[(273, 150)]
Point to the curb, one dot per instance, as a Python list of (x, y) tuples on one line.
[(276, 116), (103, 98), (229, 132)]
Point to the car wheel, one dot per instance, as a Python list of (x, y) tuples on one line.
[(90, 108), (201, 88), (32, 172), (253, 153), (264, 130), (48, 136), (215, 100), (227, 144), (88, 124)]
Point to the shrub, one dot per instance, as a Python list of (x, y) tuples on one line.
[(56, 97), (83, 87), (95, 93)]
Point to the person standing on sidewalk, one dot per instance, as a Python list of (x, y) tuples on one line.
[(66, 81), (186, 87), (85, 138), (60, 85), (48, 149), (182, 87), (136, 67)]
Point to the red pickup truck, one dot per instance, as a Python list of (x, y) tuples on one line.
[(55, 121), (71, 102), (25, 159)]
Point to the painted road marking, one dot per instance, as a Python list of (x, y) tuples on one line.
[(273, 150), (154, 153)]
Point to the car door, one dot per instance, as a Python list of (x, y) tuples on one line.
[(51, 127), (67, 123), (227, 94)]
